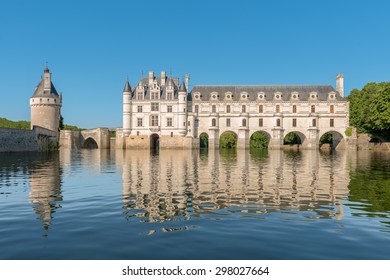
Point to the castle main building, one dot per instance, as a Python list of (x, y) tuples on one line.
[(161, 112)]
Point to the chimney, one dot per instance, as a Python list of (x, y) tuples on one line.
[(340, 84), (151, 77), (187, 81), (163, 78)]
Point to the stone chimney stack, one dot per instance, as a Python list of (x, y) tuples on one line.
[(163, 77), (340, 84), (46, 80), (151, 77)]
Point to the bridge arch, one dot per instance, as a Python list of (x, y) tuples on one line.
[(294, 138), (203, 140), (228, 140), (90, 143), (259, 140), (154, 141), (333, 138)]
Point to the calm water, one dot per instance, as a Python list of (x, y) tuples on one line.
[(92, 204)]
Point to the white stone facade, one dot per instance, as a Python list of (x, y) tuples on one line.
[(158, 108)]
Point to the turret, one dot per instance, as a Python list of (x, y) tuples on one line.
[(127, 109), (182, 112), (340, 84), (45, 104)]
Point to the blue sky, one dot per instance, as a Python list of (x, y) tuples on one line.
[(92, 46)]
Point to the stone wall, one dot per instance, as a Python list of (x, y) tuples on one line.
[(20, 140)]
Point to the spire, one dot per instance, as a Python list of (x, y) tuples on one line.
[(182, 87), (127, 87)]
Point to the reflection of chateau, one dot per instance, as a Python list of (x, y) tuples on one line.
[(185, 184), (159, 111)]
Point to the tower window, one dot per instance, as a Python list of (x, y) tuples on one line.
[(228, 122), (213, 122), (277, 109), (314, 122), (313, 109), (294, 108), (277, 122), (213, 108), (331, 123), (244, 122), (227, 108), (294, 122), (260, 122), (243, 108), (261, 109), (331, 108)]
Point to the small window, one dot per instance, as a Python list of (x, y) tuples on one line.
[(139, 95), (196, 108), (169, 108), (314, 123), (331, 123), (189, 123), (169, 96), (154, 106), (154, 121), (260, 122), (171, 134), (313, 108), (137, 133), (331, 108), (227, 108), (244, 122), (214, 108), (277, 122), (294, 108), (169, 121), (139, 122), (228, 122), (213, 122), (294, 122), (139, 109), (261, 109), (244, 108), (277, 109)]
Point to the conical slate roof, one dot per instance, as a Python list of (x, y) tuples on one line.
[(40, 92), (182, 87), (127, 87)]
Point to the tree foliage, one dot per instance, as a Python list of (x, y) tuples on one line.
[(204, 141), (326, 138), (228, 140), (370, 109), (12, 124), (259, 140), (291, 138)]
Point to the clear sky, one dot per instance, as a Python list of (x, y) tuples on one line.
[(92, 46)]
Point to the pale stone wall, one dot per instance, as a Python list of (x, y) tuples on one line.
[(137, 142), (20, 140)]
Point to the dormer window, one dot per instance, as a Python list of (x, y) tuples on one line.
[(313, 95), (244, 95), (154, 95), (169, 95), (140, 95), (295, 95), (261, 95), (214, 96), (228, 95), (278, 96)]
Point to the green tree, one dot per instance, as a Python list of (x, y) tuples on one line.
[(228, 140), (258, 140), (326, 138), (370, 109), (291, 138), (204, 141)]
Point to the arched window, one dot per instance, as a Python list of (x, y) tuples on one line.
[(277, 122), (314, 122), (213, 122), (244, 122)]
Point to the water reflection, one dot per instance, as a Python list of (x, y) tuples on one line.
[(185, 184)]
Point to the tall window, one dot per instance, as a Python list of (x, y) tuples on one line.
[(154, 121), (331, 123), (139, 122), (314, 122), (294, 124), (277, 109), (244, 122), (261, 109), (139, 109), (243, 108), (228, 122), (196, 108), (277, 122), (169, 121), (331, 108), (213, 122), (294, 108), (313, 108), (154, 106), (154, 95), (169, 95), (214, 108), (260, 122), (169, 108), (227, 108), (140, 95)]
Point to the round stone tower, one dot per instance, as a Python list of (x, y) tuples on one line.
[(45, 104)]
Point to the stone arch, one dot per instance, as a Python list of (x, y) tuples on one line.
[(154, 141), (90, 143), (259, 140), (331, 140), (203, 140), (228, 140), (294, 139)]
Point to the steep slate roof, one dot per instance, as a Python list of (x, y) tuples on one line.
[(268, 90), (39, 91), (127, 87), (163, 89)]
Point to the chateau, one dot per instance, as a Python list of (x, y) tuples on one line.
[(160, 112)]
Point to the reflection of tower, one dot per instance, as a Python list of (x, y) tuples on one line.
[(45, 183), (46, 104)]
